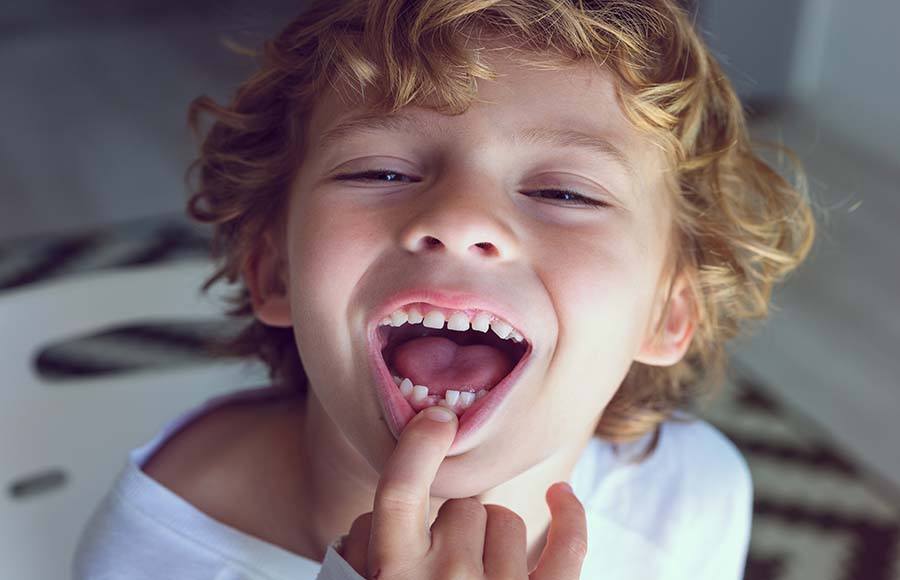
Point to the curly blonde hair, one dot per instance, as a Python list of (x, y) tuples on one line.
[(739, 226)]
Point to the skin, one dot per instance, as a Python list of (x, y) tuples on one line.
[(468, 539), (592, 283)]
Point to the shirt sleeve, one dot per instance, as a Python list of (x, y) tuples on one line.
[(334, 567)]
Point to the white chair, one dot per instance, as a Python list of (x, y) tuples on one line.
[(83, 428)]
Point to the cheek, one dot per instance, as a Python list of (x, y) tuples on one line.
[(601, 289), (329, 252), (330, 248)]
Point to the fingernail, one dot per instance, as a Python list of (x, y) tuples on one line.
[(565, 485), (439, 414)]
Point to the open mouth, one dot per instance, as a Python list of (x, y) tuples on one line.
[(456, 369)]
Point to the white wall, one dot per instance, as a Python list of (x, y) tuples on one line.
[(838, 59), (858, 88), (754, 41), (93, 104)]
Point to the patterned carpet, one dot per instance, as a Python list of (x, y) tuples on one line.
[(817, 516)]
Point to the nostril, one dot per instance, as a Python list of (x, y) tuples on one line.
[(487, 248)]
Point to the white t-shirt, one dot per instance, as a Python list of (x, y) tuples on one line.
[(682, 513)]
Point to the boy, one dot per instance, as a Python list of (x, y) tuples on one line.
[(543, 217)]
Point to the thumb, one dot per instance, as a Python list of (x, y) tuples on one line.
[(567, 540)]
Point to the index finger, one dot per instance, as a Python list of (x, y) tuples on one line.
[(400, 516)]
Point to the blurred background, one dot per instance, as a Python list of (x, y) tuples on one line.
[(94, 146)]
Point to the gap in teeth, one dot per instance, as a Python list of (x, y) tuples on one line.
[(432, 317), (456, 400)]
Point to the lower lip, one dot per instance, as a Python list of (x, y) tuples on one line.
[(399, 412)]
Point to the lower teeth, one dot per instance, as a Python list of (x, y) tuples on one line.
[(454, 400)]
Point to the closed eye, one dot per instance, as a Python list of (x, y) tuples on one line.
[(370, 175), (577, 198)]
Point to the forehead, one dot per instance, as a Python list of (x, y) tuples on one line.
[(522, 105)]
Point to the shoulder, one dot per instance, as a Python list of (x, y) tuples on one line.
[(241, 465), (696, 472), (204, 461), (693, 491), (708, 463), (202, 442), (693, 485), (713, 500), (689, 452), (707, 457)]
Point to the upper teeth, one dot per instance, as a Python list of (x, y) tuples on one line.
[(455, 320)]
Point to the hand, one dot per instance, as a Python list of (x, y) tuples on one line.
[(468, 540)]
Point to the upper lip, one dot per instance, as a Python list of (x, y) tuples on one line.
[(451, 299)]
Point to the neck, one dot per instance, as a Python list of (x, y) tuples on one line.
[(525, 494), (339, 485)]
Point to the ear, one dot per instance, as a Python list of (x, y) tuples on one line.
[(672, 328), (264, 274)]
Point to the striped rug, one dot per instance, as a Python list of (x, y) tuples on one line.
[(817, 515)]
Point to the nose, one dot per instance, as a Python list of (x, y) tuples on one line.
[(465, 219)]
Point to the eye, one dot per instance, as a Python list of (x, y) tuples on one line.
[(574, 198), (375, 175), (571, 197)]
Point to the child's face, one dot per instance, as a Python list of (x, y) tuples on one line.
[(585, 284)]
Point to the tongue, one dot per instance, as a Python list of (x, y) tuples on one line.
[(441, 364)]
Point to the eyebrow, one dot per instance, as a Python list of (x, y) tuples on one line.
[(578, 139), (404, 123), (370, 123)]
